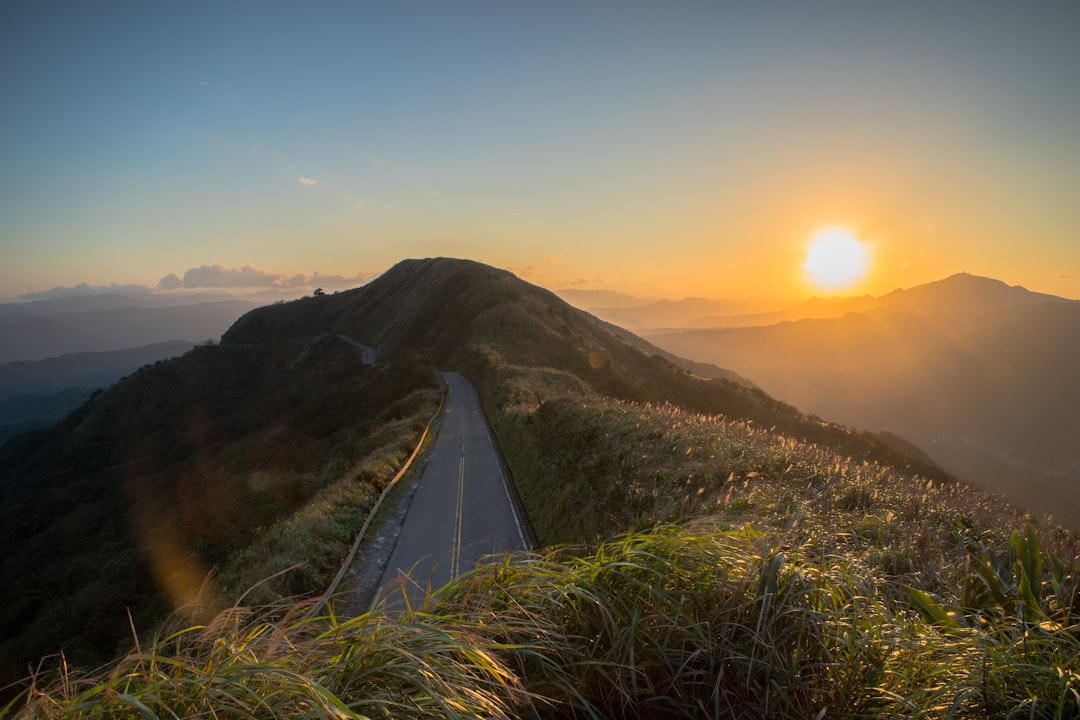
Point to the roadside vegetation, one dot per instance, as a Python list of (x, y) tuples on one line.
[(689, 622)]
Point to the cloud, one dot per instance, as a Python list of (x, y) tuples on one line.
[(217, 276), (170, 282), (85, 289), (213, 278), (307, 181), (247, 277)]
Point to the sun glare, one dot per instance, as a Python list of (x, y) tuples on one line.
[(836, 259)]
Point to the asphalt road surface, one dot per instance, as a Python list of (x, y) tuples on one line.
[(461, 511)]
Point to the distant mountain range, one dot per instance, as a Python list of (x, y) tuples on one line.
[(55, 352), (38, 330), (640, 313), (39, 393), (980, 374), (83, 369), (959, 293)]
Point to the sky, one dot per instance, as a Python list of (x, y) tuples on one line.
[(663, 149)]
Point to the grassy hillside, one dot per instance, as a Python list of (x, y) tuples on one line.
[(217, 460), (712, 553), (795, 582)]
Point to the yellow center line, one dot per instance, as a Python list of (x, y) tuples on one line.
[(455, 553)]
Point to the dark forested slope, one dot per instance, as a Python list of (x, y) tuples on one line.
[(128, 503)]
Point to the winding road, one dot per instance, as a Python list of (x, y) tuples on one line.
[(462, 510), (367, 353)]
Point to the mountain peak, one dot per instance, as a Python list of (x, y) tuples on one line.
[(963, 292), (443, 308)]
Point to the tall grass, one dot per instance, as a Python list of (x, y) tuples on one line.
[(680, 622), (243, 665), (588, 467)]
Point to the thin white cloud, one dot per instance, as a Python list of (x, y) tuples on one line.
[(307, 181), (213, 279), (84, 289), (247, 277)]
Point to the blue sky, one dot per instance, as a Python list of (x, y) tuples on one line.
[(670, 148)]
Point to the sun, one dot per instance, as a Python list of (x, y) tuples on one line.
[(836, 259)]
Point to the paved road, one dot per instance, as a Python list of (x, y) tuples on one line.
[(461, 511)]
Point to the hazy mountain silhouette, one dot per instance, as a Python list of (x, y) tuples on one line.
[(85, 370), (959, 293), (966, 367), (639, 313), (41, 330), (587, 299), (39, 393), (84, 302)]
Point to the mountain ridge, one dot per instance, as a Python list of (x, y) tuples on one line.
[(975, 291)]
